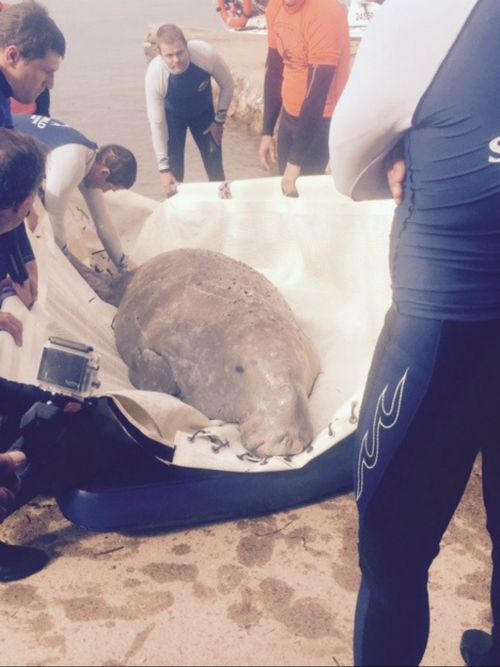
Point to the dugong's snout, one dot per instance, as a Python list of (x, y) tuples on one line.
[(280, 426)]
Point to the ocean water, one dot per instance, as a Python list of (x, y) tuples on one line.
[(99, 88)]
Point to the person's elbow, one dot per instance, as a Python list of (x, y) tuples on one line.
[(343, 176)]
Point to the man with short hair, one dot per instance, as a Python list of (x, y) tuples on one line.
[(306, 69), (31, 50), (76, 162), (436, 365), (179, 97)]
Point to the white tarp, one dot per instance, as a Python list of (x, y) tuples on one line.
[(327, 255)]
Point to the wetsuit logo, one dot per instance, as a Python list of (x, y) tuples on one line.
[(495, 149), (384, 418)]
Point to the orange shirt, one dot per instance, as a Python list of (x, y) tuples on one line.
[(312, 32)]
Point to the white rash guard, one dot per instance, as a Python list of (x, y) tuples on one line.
[(204, 56)]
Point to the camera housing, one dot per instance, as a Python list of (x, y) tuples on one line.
[(69, 368)]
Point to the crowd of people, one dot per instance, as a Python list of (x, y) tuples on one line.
[(398, 126)]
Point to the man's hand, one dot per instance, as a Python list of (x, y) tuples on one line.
[(289, 180), (216, 130), (267, 152), (13, 326), (10, 464), (168, 183), (395, 178), (28, 291)]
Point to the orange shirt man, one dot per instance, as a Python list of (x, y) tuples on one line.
[(306, 70)]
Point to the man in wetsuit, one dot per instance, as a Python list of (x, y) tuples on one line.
[(179, 97), (306, 70), (76, 162), (31, 51), (431, 400)]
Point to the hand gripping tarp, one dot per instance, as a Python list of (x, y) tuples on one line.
[(328, 257)]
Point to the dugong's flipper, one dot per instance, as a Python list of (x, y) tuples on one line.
[(109, 288)]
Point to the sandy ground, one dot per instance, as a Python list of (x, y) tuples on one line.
[(278, 590)]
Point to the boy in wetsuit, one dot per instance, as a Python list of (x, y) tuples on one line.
[(76, 162)]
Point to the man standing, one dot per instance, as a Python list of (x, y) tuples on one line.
[(179, 97), (306, 70), (31, 50), (76, 162), (436, 366)]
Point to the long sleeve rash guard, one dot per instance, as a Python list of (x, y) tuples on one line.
[(203, 56)]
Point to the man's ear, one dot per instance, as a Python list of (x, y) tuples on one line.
[(105, 171), (12, 55)]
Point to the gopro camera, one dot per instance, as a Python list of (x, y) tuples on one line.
[(68, 367)]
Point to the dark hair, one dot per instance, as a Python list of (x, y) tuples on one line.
[(169, 33), (121, 163), (22, 167), (29, 27)]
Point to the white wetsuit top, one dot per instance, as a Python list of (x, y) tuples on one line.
[(439, 99), (70, 159), (203, 56)]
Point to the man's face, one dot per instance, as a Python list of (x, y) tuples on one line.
[(29, 78), (175, 56), (11, 218)]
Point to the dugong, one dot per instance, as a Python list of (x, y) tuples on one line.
[(217, 334)]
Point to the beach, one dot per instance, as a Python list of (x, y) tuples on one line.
[(275, 590)]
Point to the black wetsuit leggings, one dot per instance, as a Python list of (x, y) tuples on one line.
[(431, 404), (315, 160), (211, 152)]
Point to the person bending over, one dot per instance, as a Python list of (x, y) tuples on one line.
[(76, 162), (179, 97)]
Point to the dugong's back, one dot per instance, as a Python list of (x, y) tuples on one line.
[(214, 331)]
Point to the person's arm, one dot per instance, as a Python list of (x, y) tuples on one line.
[(13, 326), (17, 397), (209, 59), (273, 80), (105, 228), (311, 112), (66, 168), (224, 79), (156, 84), (20, 264)]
